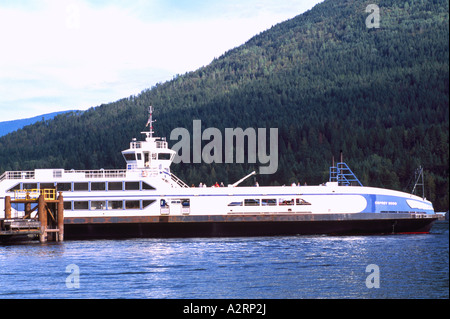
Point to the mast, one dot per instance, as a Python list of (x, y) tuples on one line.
[(419, 181), (150, 122)]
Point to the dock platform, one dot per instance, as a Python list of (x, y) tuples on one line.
[(43, 216)]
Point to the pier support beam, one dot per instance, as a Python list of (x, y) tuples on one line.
[(42, 218), (48, 223), (60, 217), (7, 207)]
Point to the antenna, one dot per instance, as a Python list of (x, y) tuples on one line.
[(150, 120), (418, 174)]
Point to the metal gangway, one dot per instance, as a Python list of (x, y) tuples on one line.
[(343, 175)]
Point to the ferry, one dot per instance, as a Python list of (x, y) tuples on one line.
[(147, 200)]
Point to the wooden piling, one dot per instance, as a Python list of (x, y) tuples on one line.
[(60, 217), (7, 207), (27, 207), (42, 212)]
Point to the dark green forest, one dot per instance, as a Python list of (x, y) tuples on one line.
[(325, 80)]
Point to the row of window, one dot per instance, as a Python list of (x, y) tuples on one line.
[(122, 204), (270, 202), (107, 204), (86, 186)]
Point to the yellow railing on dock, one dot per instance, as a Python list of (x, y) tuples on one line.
[(33, 194)]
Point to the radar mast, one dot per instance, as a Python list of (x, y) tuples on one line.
[(150, 122)]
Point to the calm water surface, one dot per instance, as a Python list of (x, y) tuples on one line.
[(410, 266)]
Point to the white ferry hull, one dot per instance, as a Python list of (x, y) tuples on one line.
[(145, 207)]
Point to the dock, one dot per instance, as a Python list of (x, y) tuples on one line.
[(42, 216)]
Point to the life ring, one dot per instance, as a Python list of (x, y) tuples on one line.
[(144, 174)]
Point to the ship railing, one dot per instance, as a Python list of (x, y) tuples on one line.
[(178, 181), (17, 175), (102, 173), (166, 174), (150, 172)]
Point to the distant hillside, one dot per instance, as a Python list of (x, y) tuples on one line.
[(11, 126), (325, 80)]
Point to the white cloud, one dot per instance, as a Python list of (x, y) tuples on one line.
[(73, 54)]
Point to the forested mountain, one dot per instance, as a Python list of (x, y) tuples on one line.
[(325, 80)]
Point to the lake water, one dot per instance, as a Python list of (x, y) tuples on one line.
[(291, 267)]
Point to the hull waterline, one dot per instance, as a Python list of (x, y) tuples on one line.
[(244, 226)]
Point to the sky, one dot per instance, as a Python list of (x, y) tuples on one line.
[(58, 55)]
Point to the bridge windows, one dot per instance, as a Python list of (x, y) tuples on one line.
[(129, 157), (164, 156)]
